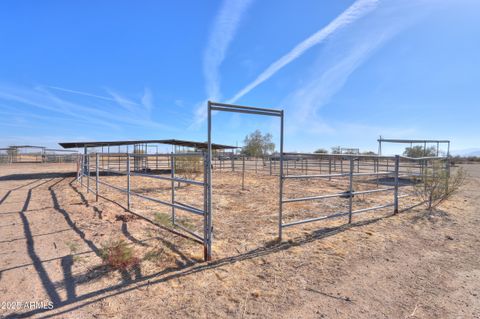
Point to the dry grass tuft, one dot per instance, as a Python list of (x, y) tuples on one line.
[(117, 255)]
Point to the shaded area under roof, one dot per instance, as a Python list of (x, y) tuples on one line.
[(198, 145)]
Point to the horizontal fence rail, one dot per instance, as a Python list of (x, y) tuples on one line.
[(395, 175), (399, 168), (129, 165)]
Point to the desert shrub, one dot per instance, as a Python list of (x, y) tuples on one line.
[(118, 255), (419, 151), (438, 185), (188, 166)]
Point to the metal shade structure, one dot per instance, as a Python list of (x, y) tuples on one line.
[(415, 141), (185, 143)]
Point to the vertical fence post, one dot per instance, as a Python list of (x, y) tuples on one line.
[(128, 181), (172, 175), (205, 205), (209, 212), (96, 176), (243, 172), (233, 163), (447, 173), (424, 173), (350, 190), (280, 181), (78, 169), (88, 174), (330, 168), (82, 169), (395, 193), (270, 163)]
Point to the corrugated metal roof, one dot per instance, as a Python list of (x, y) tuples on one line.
[(198, 145)]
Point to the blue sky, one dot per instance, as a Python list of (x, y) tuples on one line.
[(344, 71)]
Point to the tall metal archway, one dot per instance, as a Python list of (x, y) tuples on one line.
[(214, 106)]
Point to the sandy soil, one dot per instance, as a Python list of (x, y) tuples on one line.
[(411, 265)]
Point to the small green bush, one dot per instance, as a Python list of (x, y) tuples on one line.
[(119, 256), (438, 184)]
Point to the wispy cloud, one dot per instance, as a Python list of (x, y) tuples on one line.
[(106, 98), (223, 31), (357, 10), (43, 98), (350, 49), (146, 101), (304, 102), (123, 101)]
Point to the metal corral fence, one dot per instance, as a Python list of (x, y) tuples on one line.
[(396, 175), (4, 158), (36, 154), (383, 174), (392, 175), (60, 156), (389, 175), (92, 167), (307, 163)]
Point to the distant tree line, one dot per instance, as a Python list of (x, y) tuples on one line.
[(258, 144)]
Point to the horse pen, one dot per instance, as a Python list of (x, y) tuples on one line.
[(212, 232)]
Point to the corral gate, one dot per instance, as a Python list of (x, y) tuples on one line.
[(213, 106)]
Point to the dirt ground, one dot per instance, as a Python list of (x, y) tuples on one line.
[(411, 265)]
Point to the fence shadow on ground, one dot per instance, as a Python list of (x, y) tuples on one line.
[(21, 177), (186, 267), (70, 282)]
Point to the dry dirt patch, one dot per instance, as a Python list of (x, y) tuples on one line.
[(409, 265)]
